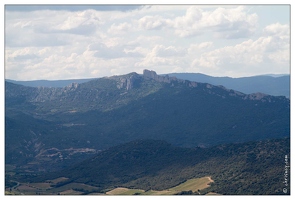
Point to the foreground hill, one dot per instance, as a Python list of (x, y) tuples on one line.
[(248, 168), (50, 128)]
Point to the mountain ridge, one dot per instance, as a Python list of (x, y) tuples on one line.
[(105, 112), (268, 84), (277, 86), (127, 82), (118, 119)]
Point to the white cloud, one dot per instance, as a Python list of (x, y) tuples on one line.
[(103, 51), (189, 24), (279, 36), (136, 52), (162, 51), (223, 22), (79, 22), (152, 22), (277, 29), (218, 40), (226, 22), (197, 48), (120, 29), (256, 56), (163, 59)]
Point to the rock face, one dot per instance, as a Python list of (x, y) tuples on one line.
[(147, 74), (128, 81)]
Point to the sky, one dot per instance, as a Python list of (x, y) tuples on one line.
[(54, 42)]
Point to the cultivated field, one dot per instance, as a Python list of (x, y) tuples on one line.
[(48, 188), (194, 185), (124, 191)]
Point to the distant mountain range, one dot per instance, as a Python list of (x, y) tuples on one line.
[(48, 83), (272, 84), (277, 85), (63, 125)]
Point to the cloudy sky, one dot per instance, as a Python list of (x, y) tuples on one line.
[(67, 42)]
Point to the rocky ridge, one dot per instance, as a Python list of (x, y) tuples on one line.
[(95, 92), (106, 111), (147, 74)]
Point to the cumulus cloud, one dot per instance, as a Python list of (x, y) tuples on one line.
[(162, 51), (201, 47), (49, 28), (101, 50), (223, 22), (218, 40), (278, 36), (262, 54), (80, 22), (136, 52), (277, 29), (189, 24), (163, 58), (120, 29), (152, 22)]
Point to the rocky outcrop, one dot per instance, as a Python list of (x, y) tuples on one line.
[(262, 97), (128, 82), (52, 93), (147, 74), (256, 96), (71, 87)]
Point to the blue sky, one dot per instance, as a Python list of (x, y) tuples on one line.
[(67, 42)]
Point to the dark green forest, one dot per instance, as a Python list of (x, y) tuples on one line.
[(248, 168)]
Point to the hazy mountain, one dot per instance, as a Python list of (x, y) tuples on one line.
[(50, 128), (47, 83), (275, 75), (278, 85), (272, 84)]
